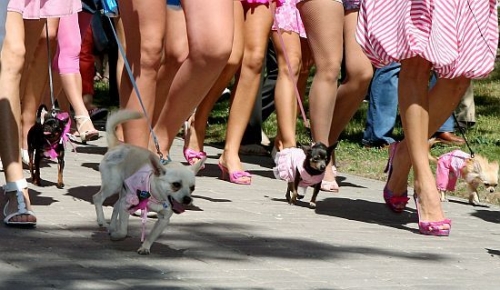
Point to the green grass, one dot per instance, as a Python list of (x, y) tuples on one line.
[(353, 158)]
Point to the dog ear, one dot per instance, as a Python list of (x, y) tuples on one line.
[(158, 169), (197, 166)]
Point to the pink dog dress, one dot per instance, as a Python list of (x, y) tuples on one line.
[(139, 182), (459, 38), (38, 9), (449, 169), (288, 162), (287, 18)]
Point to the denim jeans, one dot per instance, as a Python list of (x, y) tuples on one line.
[(383, 107)]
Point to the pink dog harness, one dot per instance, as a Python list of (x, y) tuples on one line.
[(138, 194), (288, 162), (449, 169)]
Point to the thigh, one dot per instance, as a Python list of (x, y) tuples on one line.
[(143, 22), (323, 21), (357, 63), (210, 24)]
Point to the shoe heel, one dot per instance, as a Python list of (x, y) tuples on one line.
[(223, 172), (396, 203)]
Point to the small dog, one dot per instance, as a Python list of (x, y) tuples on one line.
[(303, 167), (142, 183), (46, 139), (475, 171)]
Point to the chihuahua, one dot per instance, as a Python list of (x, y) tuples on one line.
[(475, 171), (142, 182), (46, 139), (303, 167)]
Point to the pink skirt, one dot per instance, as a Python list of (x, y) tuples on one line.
[(38, 9), (459, 38), (287, 18)]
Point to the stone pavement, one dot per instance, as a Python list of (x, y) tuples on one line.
[(246, 237)]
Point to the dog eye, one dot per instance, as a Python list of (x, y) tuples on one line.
[(176, 184), (487, 184), (191, 188)]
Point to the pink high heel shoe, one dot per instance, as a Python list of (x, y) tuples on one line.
[(236, 177), (193, 156), (395, 203), (432, 228)]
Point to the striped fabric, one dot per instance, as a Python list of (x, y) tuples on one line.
[(459, 37)]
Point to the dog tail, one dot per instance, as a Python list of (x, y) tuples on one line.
[(114, 120)]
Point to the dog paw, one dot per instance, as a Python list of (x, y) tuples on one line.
[(143, 251), (115, 236), (312, 205), (60, 185)]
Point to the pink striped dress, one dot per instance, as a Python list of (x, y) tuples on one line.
[(459, 37), (38, 9)]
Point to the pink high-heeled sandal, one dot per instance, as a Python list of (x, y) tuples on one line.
[(395, 203), (236, 177), (193, 156), (437, 228)]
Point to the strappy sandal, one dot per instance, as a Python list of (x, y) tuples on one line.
[(89, 135), (331, 186), (17, 187)]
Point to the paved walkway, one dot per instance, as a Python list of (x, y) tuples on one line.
[(247, 237)]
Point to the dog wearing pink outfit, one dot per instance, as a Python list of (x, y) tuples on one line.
[(475, 171)]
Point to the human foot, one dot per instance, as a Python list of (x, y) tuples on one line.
[(232, 168), (329, 182), (431, 222), (17, 211), (396, 200), (192, 152), (86, 129)]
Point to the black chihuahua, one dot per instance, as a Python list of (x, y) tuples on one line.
[(303, 167), (46, 140)]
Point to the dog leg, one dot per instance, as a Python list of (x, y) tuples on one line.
[(160, 225), (60, 168), (120, 231), (36, 170), (473, 197), (98, 200), (312, 202), (287, 194)]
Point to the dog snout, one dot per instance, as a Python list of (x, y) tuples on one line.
[(187, 200), (491, 189)]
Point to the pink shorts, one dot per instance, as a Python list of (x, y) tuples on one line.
[(38, 9)]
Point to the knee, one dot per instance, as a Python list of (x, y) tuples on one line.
[(176, 53), (210, 53), (13, 58), (150, 55), (329, 71), (253, 60)]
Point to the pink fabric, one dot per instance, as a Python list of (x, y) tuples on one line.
[(458, 37), (287, 18), (67, 58), (138, 181), (288, 161), (449, 168), (37, 9), (50, 149)]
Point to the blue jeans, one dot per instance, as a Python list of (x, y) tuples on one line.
[(383, 107)]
